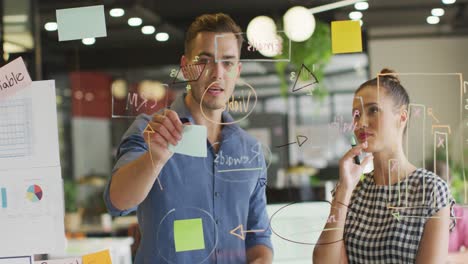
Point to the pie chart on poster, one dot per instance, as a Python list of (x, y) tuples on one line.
[(34, 193)]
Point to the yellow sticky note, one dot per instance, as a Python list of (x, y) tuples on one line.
[(346, 36), (101, 257)]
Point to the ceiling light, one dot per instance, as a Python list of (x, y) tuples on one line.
[(15, 19), (361, 5), (134, 21), (151, 90), (147, 30), (299, 23), (437, 12), (448, 2), (12, 48), (50, 26), (162, 36), (116, 12), (355, 15), (119, 89), (433, 20), (89, 97), (272, 50), (261, 29), (88, 41)]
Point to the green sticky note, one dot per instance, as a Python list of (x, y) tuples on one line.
[(346, 36), (81, 22), (193, 142), (188, 235)]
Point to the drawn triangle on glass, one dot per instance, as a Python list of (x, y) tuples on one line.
[(238, 232), (189, 73), (304, 74), (149, 129), (301, 140)]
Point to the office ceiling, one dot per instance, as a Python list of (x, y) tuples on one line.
[(126, 47)]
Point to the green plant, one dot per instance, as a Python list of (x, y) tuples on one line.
[(70, 190), (314, 51), (457, 184), (458, 181)]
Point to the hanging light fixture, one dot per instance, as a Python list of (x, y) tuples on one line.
[(299, 23)]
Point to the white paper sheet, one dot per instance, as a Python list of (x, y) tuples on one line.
[(28, 128), (16, 260), (33, 220), (77, 260), (31, 187)]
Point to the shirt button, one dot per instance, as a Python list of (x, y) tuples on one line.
[(216, 194), (217, 221)]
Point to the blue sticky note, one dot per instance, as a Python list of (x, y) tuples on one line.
[(193, 142), (81, 22)]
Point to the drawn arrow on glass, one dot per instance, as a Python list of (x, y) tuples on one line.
[(240, 232), (299, 140), (398, 216), (150, 131)]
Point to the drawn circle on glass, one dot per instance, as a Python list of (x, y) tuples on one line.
[(239, 168), (296, 236), (186, 213), (235, 121)]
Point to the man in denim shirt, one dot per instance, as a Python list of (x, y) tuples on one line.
[(211, 195)]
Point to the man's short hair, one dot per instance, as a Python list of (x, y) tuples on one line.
[(218, 22)]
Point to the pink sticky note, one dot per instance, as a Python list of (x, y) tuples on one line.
[(13, 77)]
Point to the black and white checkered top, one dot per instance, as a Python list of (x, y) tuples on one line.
[(385, 224)]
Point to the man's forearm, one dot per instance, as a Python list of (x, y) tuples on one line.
[(131, 183), (330, 245), (259, 254)]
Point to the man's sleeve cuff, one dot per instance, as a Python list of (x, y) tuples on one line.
[(259, 241)]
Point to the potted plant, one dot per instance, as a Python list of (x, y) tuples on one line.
[(73, 214)]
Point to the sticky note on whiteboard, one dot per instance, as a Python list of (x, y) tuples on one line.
[(193, 142), (13, 77), (101, 257), (16, 260), (81, 22), (346, 36)]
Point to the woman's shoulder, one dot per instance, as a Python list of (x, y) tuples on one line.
[(435, 190), (427, 179)]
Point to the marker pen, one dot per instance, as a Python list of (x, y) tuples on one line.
[(184, 120), (353, 144)]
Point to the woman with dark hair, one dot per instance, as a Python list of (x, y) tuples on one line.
[(397, 213)]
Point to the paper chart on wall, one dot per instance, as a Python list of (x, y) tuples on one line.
[(31, 187), (31, 211), (28, 128)]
